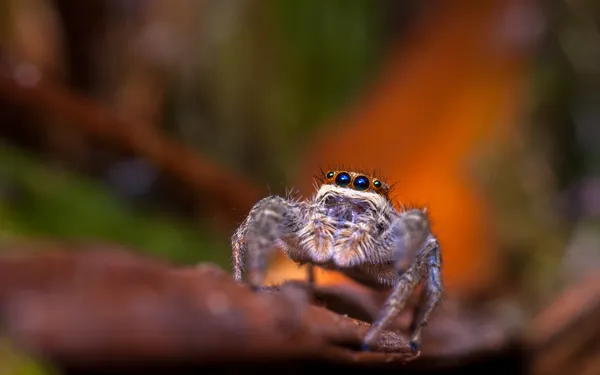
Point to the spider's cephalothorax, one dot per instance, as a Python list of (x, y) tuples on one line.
[(349, 225)]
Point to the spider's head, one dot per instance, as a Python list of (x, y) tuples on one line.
[(357, 181), (347, 195)]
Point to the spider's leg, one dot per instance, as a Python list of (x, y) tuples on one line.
[(419, 300), (239, 246), (410, 231), (433, 289), (393, 306), (269, 221), (310, 275)]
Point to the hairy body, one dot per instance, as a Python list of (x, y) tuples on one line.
[(349, 225)]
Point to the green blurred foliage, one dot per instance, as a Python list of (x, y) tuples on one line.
[(276, 74), (38, 200), (328, 49), (13, 362)]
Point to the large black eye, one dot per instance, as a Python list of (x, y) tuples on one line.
[(361, 183), (342, 179), (330, 174)]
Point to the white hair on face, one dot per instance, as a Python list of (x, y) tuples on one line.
[(376, 198)]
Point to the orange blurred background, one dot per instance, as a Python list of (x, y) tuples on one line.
[(455, 91)]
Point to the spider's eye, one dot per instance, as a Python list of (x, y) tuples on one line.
[(361, 183), (330, 174), (342, 179), (377, 184)]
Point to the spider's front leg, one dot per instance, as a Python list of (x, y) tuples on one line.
[(416, 256), (269, 221)]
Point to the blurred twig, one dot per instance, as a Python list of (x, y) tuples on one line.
[(153, 313), (565, 335), (223, 192)]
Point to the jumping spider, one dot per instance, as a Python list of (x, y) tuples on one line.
[(349, 225)]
